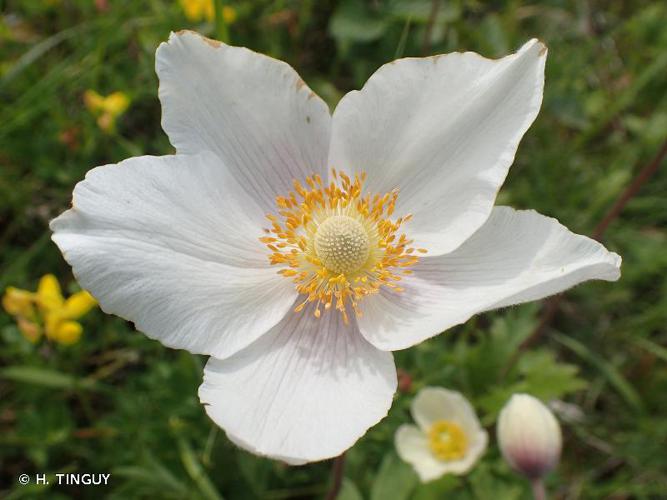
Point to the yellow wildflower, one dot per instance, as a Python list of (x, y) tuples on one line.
[(49, 295), (197, 10), (17, 302), (107, 109), (47, 311), (228, 14), (30, 330)]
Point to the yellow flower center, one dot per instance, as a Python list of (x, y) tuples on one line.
[(338, 244), (447, 440)]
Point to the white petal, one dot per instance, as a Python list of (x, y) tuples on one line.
[(412, 446), (476, 447), (444, 130), (517, 256), (171, 243), (305, 391), (253, 111), (435, 403)]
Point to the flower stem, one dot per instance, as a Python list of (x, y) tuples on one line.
[(539, 493), (630, 192), (336, 476)]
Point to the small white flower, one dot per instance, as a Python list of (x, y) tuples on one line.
[(448, 438), (529, 436), (300, 312)]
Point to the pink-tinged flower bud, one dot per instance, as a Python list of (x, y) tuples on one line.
[(529, 436)]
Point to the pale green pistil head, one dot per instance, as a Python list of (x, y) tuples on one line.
[(342, 244)]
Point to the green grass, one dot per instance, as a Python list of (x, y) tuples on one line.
[(120, 403)]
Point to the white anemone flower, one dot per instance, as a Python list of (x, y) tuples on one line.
[(448, 438), (300, 312)]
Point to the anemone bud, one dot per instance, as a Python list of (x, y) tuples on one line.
[(529, 436)]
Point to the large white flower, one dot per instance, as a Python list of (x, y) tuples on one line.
[(448, 438), (300, 311)]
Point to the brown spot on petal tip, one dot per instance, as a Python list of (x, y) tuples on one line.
[(187, 32), (543, 50), (213, 43), (299, 84)]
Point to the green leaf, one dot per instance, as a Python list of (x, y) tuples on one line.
[(438, 489), (655, 349), (255, 471), (538, 373), (192, 465), (485, 484), (352, 22), (349, 491), (46, 378), (488, 359), (613, 376), (154, 476), (546, 378), (395, 479)]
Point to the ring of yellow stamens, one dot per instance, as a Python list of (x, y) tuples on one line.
[(337, 244), (447, 440)]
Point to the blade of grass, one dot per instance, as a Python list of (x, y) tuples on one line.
[(154, 474), (221, 28), (46, 378), (192, 465), (626, 99), (613, 376), (38, 50), (657, 350), (24, 259), (400, 48)]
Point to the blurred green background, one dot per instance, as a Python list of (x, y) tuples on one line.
[(120, 403)]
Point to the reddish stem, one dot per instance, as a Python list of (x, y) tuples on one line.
[(539, 493), (551, 306), (337, 470)]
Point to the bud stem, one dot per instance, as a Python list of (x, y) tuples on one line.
[(539, 493), (337, 470)]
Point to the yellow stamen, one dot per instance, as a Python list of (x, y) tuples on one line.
[(337, 245), (447, 440)]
